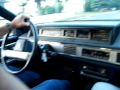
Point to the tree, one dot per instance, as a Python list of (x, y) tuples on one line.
[(58, 6), (38, 2), (87, 5), (116, 4), (23, 4), (96, 5), (2, 2)]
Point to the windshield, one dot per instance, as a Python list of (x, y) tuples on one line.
[(65, 10)]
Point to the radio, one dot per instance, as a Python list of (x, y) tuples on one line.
[(96, 54)]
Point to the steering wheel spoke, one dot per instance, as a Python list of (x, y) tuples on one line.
[(18, 55), (24, 38)]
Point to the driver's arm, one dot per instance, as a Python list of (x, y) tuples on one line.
[(18, 22), (7, 81)]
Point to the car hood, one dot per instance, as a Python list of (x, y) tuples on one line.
[(110, 15)]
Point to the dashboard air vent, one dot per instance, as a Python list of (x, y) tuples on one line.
[(70, 49), (118, 57)]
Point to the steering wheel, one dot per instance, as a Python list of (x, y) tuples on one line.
[(18, 52)]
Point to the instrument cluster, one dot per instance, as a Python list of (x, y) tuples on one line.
[(84, 34)]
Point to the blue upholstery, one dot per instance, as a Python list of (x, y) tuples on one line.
[(65, 85), (53, 85), (104, 86), (29, 77)]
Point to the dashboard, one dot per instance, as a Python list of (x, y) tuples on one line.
[(101, 35), (94, 41)]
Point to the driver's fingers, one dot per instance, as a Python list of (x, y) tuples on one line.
[(25, 21), (25, 17), (25, 24)]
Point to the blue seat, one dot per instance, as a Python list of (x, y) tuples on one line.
[(104, 86), (28, 76), (53, 84)]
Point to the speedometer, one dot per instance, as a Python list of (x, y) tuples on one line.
[(52, 33)]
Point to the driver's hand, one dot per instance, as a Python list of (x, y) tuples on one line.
[(20, 21)]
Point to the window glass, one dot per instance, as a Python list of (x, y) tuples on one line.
[(65, 10)]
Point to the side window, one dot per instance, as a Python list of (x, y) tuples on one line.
[(2, 22)]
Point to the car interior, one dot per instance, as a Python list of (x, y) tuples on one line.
[(83, 52)]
